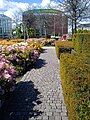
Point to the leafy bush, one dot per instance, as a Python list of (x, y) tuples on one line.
[(69, 39), (76, 85), (10, 42), (37, 45), (63, 46), (47, 36), (83, 31), (49, 42), (21, 55), (15, 59), (81, 43), (7, 76)]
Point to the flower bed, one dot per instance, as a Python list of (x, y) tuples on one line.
[(21, 55), (7, 77), (15, 60)]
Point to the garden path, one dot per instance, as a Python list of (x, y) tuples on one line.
[(38, 96)]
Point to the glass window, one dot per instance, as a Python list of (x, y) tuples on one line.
[(0, 22), (0, 30)]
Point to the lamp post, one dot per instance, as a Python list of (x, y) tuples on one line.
[(62, 24), (54, 24)]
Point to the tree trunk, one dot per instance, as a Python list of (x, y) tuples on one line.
[(75, 24), (72, 28)]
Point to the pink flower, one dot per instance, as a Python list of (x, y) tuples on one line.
[(11, 71), (0, 75), (2, 64), (35, 52), (10, 48), (1, 57), (5, 71), (7, 61), (7, 76), (22, 48), (7, 65)]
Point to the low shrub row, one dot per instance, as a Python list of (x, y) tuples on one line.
[(48, 42), (63, 46), (35, 44), (83, 31), (10, 42), (75, 76)]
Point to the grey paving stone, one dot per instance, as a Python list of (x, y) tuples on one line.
[(58, 118), (45, 117), (51, 118), (64, 118)]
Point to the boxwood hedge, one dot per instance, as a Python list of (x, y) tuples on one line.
[(75, 76), (63, 47), (81, 42)]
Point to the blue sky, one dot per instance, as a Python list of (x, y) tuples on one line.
[(12, 7), (29, 1)]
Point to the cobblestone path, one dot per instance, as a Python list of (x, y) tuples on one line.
[(38, 96)]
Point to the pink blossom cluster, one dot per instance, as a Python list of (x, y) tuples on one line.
[(20, 55), (14, 59), (7, 71), (64, 37), (15, 50), (34, 55)]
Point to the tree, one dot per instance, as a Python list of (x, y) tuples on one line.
[(17, 32), (75, 10), (29, 23)]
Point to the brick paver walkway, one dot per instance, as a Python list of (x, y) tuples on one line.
[(39, 94)]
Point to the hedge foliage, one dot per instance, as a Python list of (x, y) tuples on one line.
[(76, 85), (63, 46), (81, 42), (83, 31)]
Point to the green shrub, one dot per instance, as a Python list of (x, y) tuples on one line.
[(81, 43), (63, 46), (69, 39), (76, 85), (83, 31), (47, 36)]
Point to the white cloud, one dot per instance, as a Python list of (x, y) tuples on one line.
[(45, 3), (14, 9), (11, 7), (1, 3)]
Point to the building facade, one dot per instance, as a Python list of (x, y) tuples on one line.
[(46, 21), (5, 26)]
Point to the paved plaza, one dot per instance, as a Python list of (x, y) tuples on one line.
[(38, 96)]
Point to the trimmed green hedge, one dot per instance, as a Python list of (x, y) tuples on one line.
[(76, 85), (81, 43), (63, 47), (83, 31)]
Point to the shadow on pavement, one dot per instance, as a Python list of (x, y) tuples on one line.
[(20, 104), (40, 63)]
